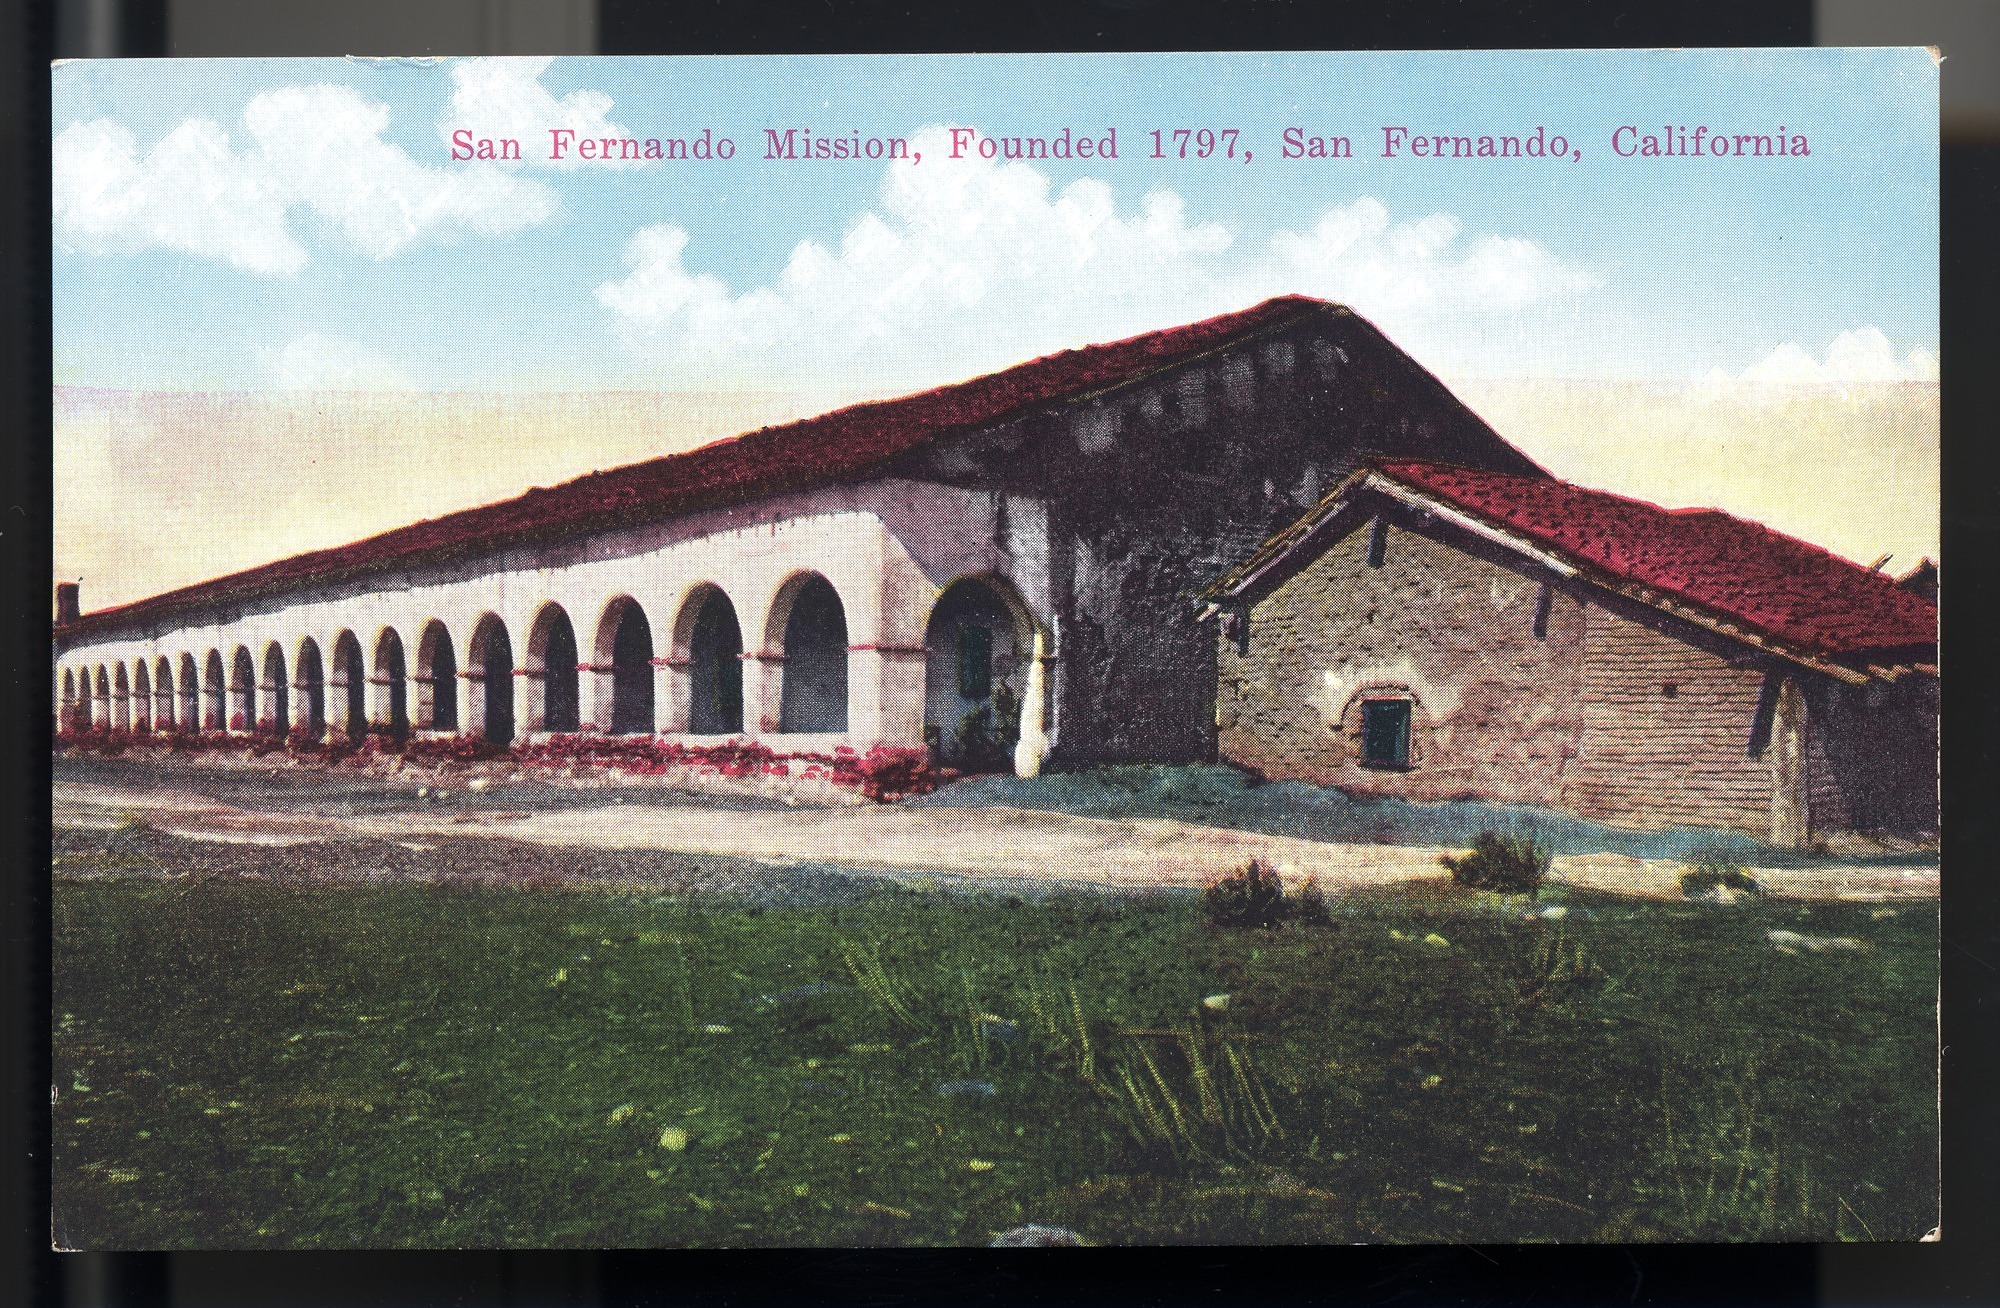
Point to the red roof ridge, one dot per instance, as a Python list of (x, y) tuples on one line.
[(1734, 575), (840, 444)]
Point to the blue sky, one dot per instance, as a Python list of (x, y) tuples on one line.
[(276, 268), (1665, 269)]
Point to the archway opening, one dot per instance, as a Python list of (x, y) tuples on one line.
[(392, 681), (217, 714), (163, 694), (190, 690), (493, 655), (813, 693), (67, 721), (101, 710), (242, 691), (350, 684), (437, 679), (311, 682), (142, 697), (276, 718), (715, 667), (625, 644), (977, 645), (552, 661), (121, 698)]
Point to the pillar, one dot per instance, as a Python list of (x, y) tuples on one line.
[(1033, 745), (762, 683), (885, 695)]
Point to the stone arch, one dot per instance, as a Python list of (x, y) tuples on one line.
[(437, 679), (554, 695), (142, 697), (275, 715), (708, 641), (310, 681), (101, 709), (807, 630), (242, 690), (980, 643), (622, 664), (350, 686), (391, 680), (164, 716), (490, 667), (121, 698)]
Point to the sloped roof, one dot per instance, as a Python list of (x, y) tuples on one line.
[(1761, 584), (841, 445)]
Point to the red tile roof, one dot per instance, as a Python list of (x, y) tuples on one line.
[(843, 445), (1798, 596)]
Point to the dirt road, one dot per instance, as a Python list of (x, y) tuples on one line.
[(986, 845)]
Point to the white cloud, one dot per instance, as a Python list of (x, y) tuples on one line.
[(319, 147), (504, 98), (315, 362), (971, 264), (1855, 358)]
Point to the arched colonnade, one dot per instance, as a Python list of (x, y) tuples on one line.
[(972, 687)]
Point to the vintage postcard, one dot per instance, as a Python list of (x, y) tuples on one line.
[(1012, 650)]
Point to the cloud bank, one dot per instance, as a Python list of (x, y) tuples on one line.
[(314, 147), (1861, 357), (967, 265), (497, 98)]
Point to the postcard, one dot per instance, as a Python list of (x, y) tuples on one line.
[(995, 650)]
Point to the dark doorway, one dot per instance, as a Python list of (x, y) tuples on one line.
[(277, 695), (442, 669), (347, 671), (311, 682), (632, 673), (976, 651), (560, 707), (496, 664), (395, 674), (715, 674), (814, 696)]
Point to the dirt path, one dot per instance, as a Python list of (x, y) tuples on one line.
[(987, 844)]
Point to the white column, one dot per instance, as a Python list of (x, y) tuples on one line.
[(762, 685), (1033, 746), (885, 696)]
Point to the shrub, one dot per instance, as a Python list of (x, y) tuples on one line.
[(1307, 906), (1252, 897), (1512, 865), (1712, 872)]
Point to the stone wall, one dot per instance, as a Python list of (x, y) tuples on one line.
[(1494, 706), (1158, 487), (1668, 721), (1873, 756)]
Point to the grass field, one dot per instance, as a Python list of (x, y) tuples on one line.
[(245, 1065)]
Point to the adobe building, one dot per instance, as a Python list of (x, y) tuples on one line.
[(1432, 631), (1001, 569)]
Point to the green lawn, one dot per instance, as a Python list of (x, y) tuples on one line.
[(240, 1064)]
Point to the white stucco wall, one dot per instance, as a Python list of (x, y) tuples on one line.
[(889, 548)]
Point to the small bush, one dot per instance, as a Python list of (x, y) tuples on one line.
[(1252, 897), (1307, 907), (1512, 865), (1710, 873)]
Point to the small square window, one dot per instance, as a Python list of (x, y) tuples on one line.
[(1385, 733)]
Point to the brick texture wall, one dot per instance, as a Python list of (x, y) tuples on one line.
[(1653, 757), (1495, 708)]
